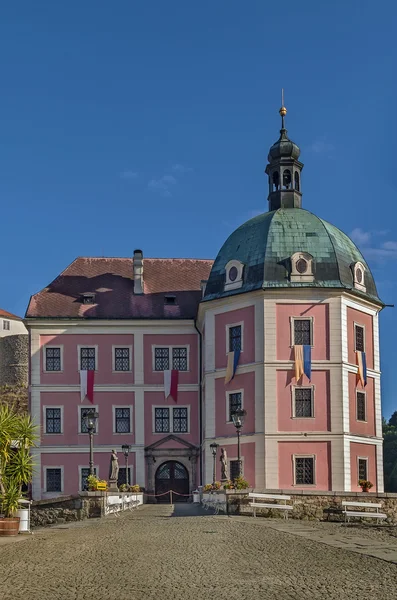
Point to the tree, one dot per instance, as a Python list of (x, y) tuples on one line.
[(390, 452)]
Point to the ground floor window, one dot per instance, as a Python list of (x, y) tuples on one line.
[(234, 469), (362, 468), (304, 470), (122, 476), (84, 475), (54, 480)]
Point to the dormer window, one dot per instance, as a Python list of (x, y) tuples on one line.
[(359, 276), (88, 298), (302, 267), (170, 300), (234, 275)]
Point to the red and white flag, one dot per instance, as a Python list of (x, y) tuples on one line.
[(171, 385), (87, 385)]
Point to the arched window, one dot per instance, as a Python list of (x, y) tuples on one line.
[(286, 179), (302, 267), (234, 275), (359, 276), (296, 177), (276, 181)]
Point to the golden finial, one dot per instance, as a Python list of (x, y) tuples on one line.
[(283, 110)]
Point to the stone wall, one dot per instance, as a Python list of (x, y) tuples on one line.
[(14, 355), (311, 505), (69, 508)]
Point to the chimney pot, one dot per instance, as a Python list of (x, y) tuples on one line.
[(138, 272)]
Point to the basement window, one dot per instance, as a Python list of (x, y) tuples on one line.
[(170, 300)]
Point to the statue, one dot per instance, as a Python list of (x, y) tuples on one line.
[(114, 467), (223, 459)]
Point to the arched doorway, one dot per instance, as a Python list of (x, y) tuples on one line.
[(173, 476)]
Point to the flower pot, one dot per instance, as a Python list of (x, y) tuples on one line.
[(364, 489), (9, 526)]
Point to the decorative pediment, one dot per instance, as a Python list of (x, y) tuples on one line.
[(171, 441)]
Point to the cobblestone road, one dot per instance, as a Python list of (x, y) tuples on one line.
[(147, 554)]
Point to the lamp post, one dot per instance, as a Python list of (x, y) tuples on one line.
[(126, 450), (90, 420), (214, 448), (238, 417)]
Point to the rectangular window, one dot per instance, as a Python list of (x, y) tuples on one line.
[(179, 359), (233, 469), (303, 402), (361, 416), (161, 359), (122, 479), (359, 338), (234, 338), (6, 325), (84, 411), (162, 420), (53, 420), (303, 332), (123, 420), (235, 402), (179, 420), (122, 359), (87, 359), (84, 475), (53, 359), (54, 480), (304, 470), (362, 468)]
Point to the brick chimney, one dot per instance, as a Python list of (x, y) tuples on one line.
[(138, 272)]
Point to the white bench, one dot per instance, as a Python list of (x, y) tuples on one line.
[(261, 504), (362, 513), (113, 505), (214, 502)]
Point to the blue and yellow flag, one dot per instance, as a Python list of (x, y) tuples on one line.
[(362, 367), (303, 362), (232, 362)]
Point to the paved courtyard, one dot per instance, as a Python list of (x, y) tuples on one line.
[(154, 553)]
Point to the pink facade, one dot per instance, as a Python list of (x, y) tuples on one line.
[(185, 399), (244, 317), (287, 421), (362, 451), (244, 383), (152, 341), (360, 427), (320, 451), (364, 320), (247, 457), (319, 313)]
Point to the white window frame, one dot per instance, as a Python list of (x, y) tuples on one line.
[(228, 327), (365, 458), (238, 282), (114, 407), (95, 346), (81, 467), (79, 409), (241, 391), (304, 485), (302, 387), (171, 409), (170, 356), (292, 327), (365, 406), (45, 406), (45, 468), (8, 328), (359, 286), (60, 346), (114, 357), (364, 335), (302, 277)]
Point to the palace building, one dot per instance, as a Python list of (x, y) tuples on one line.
[(285, 285)]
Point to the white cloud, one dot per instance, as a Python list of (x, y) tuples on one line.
[(321, 146), (178, 168), (162, 185), (360, 237), (390, 246), (129, 174)]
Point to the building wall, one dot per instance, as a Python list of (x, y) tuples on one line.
[(321, 451), (14, 358)]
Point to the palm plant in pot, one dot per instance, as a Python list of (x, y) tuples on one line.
[(18, 435)]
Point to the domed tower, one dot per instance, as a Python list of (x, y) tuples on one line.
[(285, 284)]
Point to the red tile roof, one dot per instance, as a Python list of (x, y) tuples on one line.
[(112, 282), (7, 315)]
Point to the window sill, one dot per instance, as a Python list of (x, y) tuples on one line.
[(305, 418), (129, 371), (45, 372), (125, 433), (170, 433), (58, 433)]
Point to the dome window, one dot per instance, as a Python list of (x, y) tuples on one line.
[(234, 275), (359, 276), (302, 267)]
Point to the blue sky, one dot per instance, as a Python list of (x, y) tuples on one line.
[(147, 124)]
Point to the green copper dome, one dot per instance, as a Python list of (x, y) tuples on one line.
[(265, 245)]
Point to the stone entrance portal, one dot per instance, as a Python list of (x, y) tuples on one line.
[(171, 464), (173, 476)]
